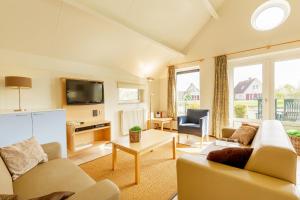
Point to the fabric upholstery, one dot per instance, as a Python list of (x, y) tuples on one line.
[(196, 122), (235, 157), (270, 173), (53, 176), (23, 156), (6, 186), (171, 98), (220, 118), (244, 134)]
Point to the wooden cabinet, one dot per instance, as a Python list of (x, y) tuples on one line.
[(45, 126), (50, 126), (14, 128)]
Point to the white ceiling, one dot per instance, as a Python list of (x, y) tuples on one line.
[(139, 36)]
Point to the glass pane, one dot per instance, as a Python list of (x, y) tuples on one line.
[(248, 92), (287, 90), (128, 94), (187, 91)]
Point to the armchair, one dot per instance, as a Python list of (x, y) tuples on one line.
[(196, 122)]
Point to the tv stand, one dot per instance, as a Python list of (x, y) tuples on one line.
[(87, 134)]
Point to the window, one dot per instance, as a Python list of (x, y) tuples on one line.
[(247, 92), (287, 90), (128, 95), (187, 90)]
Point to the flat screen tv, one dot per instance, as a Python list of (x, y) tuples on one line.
[(82, 92)]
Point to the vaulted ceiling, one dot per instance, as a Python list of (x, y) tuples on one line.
[(139, 36)]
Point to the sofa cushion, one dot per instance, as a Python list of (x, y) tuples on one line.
[(234, 156), (6, 186), (53, 176), (23, 156), (244, 134)]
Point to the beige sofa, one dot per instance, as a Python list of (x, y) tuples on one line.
[(270, 173), (56, 175)]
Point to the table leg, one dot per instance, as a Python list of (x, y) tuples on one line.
[(171, 127), (162, 126), (114, 156), (137, 168), (174, 148)]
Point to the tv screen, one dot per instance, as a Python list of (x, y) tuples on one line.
[(82, 92)]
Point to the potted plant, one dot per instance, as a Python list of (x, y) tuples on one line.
[(135, 134)]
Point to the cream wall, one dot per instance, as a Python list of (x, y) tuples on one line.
[(232, 32), (46, 90)]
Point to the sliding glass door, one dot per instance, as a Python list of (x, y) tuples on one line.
[(265, 88), (287, 90)]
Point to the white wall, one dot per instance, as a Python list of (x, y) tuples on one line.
[(46, 91), (232, 32)]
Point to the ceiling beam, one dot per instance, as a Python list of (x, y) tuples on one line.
[(212, 11), (136, 32)]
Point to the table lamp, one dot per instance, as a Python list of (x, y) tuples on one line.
[(18, 82)]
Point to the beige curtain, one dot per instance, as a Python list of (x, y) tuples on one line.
[(171, 92), (220, 116)]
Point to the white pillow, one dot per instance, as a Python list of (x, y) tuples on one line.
[(22, 157)]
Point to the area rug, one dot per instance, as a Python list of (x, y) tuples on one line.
[(158, 174)]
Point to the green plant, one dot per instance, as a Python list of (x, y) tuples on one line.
[(240, 111), (135, 129)]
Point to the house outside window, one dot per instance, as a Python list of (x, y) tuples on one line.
[(187, 90)]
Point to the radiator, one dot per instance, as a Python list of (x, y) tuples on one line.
[(130, 118)]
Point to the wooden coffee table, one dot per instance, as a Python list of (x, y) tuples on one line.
[(150, 140)]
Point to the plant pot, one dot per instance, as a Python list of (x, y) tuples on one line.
[(135, 136)]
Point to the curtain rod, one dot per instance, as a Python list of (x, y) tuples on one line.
[(262, 47), (243, 51)]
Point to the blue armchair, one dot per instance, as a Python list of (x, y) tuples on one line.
[(196, 122)]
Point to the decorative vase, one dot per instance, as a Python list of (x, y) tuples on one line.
[(135, 136)]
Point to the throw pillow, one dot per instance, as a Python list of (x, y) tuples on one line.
[(233, 156), (8, 197), (244, 134), (256, 126), (55, 196), (21, 157)]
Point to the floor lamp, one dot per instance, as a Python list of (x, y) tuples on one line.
[(150, 79), (19, 83)]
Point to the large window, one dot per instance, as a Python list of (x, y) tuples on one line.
[(268, 90), (187, 90), (247, 92), (287, 90)]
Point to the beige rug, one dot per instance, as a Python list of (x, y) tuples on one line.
[(158, 174), (158, 170)]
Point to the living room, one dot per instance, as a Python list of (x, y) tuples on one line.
[(82, 78)]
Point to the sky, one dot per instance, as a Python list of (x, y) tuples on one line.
[(183, 81), (286, 72)]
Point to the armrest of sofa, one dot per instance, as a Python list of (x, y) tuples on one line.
[(198, 178), (227, 132), (53, 150), (102, 190), (181, 119)]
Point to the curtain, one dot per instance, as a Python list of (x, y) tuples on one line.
[(220, 116), (171, 92)]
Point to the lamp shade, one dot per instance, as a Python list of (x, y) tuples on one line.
[(18, 82)]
